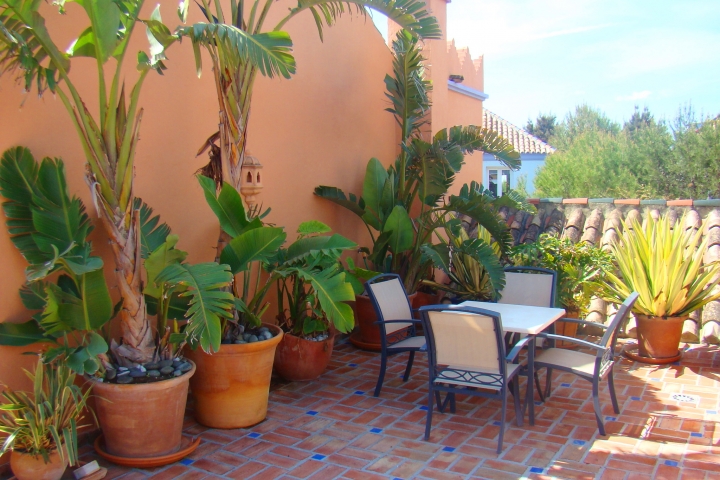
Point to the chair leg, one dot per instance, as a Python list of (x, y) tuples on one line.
[(611, 387), (409, 367), (451, 396), (428, 422), (381, 376), (596, 405), (515, 384), (538, 387), (502, 423), (548, 383), (440, 405)]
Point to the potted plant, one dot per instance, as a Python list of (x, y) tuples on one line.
[(581, 270), (417, 183), (312, 289), (664, 264), (40, 427)]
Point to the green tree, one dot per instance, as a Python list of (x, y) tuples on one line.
[(543, 127), (585, 118)]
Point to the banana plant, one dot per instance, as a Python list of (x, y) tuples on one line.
[(312, 285), (108, 137), (51, 229), (420, 178)]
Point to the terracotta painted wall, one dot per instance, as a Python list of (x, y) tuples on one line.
[(321, 127)]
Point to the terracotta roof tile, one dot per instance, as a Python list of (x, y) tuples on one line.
[(520, 139)]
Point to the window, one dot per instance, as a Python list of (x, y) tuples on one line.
[(498, 181)]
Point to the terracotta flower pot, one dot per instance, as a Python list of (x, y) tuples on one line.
[(365, 318), (30, 467), (297, 359), (659, 337), (142, 420), (232, 386), (567, 329)]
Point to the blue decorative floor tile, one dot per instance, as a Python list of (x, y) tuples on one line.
[(637, 399), (579, 442), (496, 423), (187, 461), (376, 430), (696, 434), (311, 412), (610, 419), (423, 407), (254, 435), (352, 364), (538, 402), (671, 463), (536, 470), (359, 392), (317, 456), (711, 412), (448, 449), (564, 384), (654, 379)]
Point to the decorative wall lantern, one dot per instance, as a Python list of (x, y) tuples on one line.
[(251, 179)]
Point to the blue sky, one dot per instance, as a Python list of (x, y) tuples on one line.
[(547, 56)]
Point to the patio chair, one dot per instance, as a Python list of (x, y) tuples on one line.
[(397, 326), (466, 354), (592, 368), (532, 286)]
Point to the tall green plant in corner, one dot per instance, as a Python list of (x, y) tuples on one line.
[(109, 137), (420, 178)]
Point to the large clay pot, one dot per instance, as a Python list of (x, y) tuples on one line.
[(365, 317), (659, 337), (232, 386), (142, 420), (297, 359), (567, 329), (30, 467)]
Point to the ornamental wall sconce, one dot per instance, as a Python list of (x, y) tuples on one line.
[(457, 78), (251, 179)]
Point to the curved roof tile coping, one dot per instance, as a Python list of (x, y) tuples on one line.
[(713, 202)]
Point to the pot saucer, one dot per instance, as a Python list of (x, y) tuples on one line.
[(187, 446), (630, 351), (357, 341)]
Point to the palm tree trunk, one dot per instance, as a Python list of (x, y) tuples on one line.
[(138, 344)]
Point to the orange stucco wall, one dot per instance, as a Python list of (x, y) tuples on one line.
[(321, 127)]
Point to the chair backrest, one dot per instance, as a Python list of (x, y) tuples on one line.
[(532, 286), (390, 300), (465, 339), (610, 337)]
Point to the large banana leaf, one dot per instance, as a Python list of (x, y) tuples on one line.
[(164, 255), (22, 334), (401, 230), (227, 206), (335, 195), (376, 178), (258, 244), (86, 307), (152, 232), (268, 52), (332, 291), (317, 251), (203, 283)]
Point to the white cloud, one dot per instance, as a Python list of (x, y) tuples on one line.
[(634, 96)]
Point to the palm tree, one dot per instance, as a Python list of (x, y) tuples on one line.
[(109, 138)]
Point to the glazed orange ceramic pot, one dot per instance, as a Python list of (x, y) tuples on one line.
[(142, 420), (30, 467), (231, 387), (659, 337), (297, 359)]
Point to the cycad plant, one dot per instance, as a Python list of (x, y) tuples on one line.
[(109, 137), (664, 264), (419, 180), (48, 418)]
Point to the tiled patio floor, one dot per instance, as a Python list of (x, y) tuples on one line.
[(334, 428)]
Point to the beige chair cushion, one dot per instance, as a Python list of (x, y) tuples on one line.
[(532, 289), (511, 367), (582, 363), (412, 342), (465, 340), (393, 303)]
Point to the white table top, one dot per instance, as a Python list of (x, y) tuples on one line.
[(520, 318)]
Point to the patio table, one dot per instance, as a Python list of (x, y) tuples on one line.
[(523, 319)]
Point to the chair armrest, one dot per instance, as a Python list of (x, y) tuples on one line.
[(584, 343), (517, 348), (378, 322), (581, 322)]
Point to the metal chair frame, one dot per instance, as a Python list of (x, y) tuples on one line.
[(388, 342), (499, 381)]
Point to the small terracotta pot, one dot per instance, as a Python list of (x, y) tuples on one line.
[(297, 359), (232, 386), (30, 467), (659, 337), (142, 420), (567, 329), (365, 318)]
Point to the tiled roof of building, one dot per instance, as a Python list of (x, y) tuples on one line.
[(520, 139)]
